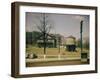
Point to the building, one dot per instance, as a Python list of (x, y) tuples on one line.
[(35, 38), (71, 43), (51, 41)]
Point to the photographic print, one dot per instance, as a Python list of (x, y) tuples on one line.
[(53, 39), (56, 39)]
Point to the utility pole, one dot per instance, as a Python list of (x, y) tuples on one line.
[(81, 30), (59, 41), (84, 57)]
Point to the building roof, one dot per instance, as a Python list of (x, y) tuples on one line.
[(71, 37)]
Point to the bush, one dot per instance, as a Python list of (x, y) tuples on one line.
[(31, 56), (35, 56)]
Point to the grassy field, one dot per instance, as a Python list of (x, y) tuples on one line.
[(52, 57), (54, 52)]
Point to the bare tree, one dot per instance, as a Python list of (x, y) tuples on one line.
[(44, 27)]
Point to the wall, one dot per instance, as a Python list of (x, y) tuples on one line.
[(5, 40)]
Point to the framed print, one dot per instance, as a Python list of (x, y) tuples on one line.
[(53, 39)]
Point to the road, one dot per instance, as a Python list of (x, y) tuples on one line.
[(55, 63)]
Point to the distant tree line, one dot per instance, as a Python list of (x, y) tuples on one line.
[(85, 43), (31, 37)]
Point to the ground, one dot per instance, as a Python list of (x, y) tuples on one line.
[(54, 51), (53, 55)]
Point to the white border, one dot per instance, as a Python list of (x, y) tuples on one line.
[(52, 69)]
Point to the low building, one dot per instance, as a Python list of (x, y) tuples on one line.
[(71, 43), (51, 42)]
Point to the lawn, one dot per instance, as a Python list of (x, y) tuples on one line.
[(54, 52), (53, 57)]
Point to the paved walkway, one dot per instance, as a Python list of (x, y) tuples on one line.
[(54, 61)]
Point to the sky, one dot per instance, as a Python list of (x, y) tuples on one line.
[(63, 24)]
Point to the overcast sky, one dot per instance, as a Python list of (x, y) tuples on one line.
[(64, 24)]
